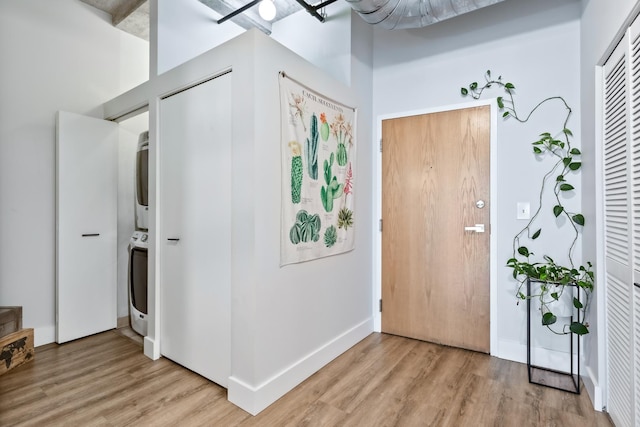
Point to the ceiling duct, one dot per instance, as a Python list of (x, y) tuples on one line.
[(242, 12), (402, 14)]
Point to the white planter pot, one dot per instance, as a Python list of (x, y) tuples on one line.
[(563, 307)]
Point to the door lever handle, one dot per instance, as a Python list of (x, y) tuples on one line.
[(478, 228)]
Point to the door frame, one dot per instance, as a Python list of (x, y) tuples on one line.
[(493, 184)]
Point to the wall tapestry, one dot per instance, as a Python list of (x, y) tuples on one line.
[(318, 174)]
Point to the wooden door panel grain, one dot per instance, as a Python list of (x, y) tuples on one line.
[(435, 275)]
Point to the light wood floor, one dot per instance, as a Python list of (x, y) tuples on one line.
[(385, 380)]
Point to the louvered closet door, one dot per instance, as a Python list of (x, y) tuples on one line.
[(636, 304), (617, 237), (634, 34)]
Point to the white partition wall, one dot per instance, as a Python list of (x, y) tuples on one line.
[(285, 322)]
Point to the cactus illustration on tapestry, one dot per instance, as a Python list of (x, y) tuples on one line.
[(341, 154), (343, 133), (324, 127), (345, 218), (296, 171), (348, 181), (306, 228), (311, 149), (333, 190), (297, 108), (330, 236)]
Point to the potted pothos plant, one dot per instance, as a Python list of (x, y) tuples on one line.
[(554, 279)]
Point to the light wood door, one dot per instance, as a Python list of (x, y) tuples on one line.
[(86, 226), (435, 274), (195, 238)]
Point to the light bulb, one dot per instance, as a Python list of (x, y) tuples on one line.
[(267, 10)]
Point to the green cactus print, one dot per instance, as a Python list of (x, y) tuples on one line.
[(343, 132), (311, 149), (296, 171), (333, 190), (324, 127), (306, 228), (341, 154), (330, 236), (345, 218)]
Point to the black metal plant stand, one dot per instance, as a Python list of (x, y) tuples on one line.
[(566, 381)]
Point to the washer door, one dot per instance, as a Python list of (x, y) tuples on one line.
[(138, 278)]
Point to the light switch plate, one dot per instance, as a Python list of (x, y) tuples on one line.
[(524, 210)]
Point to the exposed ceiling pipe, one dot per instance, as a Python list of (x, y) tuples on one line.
[(401, 14)]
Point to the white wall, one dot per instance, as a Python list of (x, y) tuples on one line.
[(601, 21), (56, 55), (326, 44), (306, 311), (187, 28), (301, 313), (518, 39)]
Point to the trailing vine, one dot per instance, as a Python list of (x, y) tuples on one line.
[(552, 277)]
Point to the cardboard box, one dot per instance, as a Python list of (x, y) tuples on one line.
[(16, 349), (10, 320)]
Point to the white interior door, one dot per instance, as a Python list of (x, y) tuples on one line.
[(195, 238), (86, 225)]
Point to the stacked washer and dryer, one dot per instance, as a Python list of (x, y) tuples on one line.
[(138, 245)]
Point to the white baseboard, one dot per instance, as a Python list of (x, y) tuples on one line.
[(254, 399), (511, 350), (542, 357), (44, 335), (151, 348), (593, 389)]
